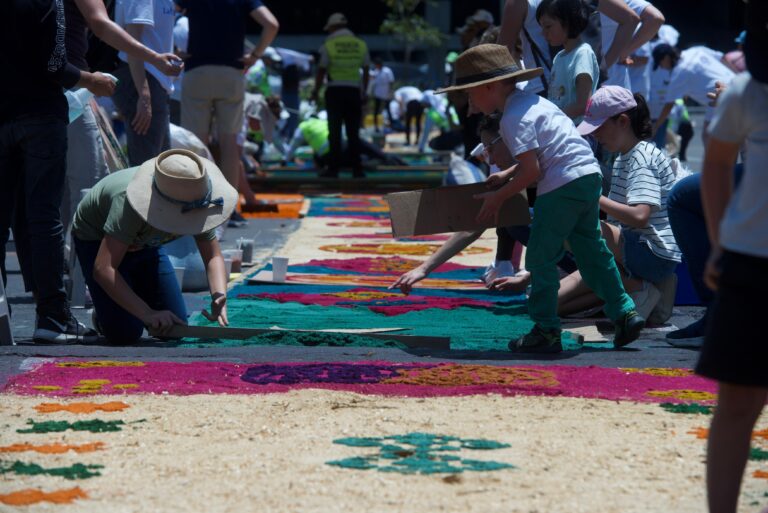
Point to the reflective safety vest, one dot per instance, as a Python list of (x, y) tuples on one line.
[(315, 132), (684, 116), (345, 57)]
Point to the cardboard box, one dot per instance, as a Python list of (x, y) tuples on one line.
[(449, 209)]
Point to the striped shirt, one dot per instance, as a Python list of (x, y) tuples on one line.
[(643, 176)]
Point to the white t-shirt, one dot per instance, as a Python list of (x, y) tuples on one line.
[(529, 123), (407, 94), (657, 95), (534, 30), (180, 41), (565, 68), (157, 16), (381, 83), (643, 176), (695, 75), (741, 117), (618, 74)]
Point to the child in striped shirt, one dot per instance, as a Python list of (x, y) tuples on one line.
[(638, 230)]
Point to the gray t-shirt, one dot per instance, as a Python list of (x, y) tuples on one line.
[(105, 210), (742, 117)]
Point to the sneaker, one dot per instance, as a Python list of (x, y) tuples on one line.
[(628, 328), (498, 269), (538, 340), (236, 220), (64, 329), (663, 310), (646, 299)]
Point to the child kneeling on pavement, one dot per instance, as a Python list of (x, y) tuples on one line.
[(121, 226), (551, 152)]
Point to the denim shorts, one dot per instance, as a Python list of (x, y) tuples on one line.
[(642, 263)]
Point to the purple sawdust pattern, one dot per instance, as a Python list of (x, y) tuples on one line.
[(61, 379)]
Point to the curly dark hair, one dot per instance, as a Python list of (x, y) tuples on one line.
[(573, 14), (639, 118), (490, 123)]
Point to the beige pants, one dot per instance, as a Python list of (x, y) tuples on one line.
[(213, 92)]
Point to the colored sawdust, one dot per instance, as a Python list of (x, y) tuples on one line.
[(684, 395), (279, 206), (420, 453), (379, 265), (299, 338), (465, 375), (47, 388), (763, 433), (758, 454), (32, 496), (700, 433), (76, 471), (362, 224), (385, 303), (100, 363), (396, 249), (377, 281), (81, 407), (659, 371), (125, 386), (90, 386), (760, 474), (692, 408), (55, 448), (54, 426)]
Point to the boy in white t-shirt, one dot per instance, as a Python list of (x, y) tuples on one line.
[(382, 79), (550, 151)]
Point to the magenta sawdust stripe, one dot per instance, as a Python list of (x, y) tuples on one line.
[(72, 379)]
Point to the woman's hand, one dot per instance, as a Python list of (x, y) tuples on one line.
[(218, 310), (712, 270), (408, 280), (161, 320)]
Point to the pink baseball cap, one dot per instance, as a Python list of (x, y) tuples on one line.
[(608, 101)]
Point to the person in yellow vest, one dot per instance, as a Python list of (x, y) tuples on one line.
[(342, 56)]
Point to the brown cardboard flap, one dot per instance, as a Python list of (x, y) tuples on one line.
[(449, 209)]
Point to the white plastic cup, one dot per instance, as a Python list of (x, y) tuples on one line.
[(236, 255), (246, 245), (279, 268), (227, 267), (180, 276)]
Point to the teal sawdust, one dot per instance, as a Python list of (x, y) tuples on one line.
[(691, 408), (470, 329), (76, 471), (58, 426), (757, 454), (298, 338), (420, 453)]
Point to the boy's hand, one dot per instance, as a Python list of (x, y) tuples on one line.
[(161, 320), (492, 202), (218, 310), (408, 280), (495, 180), (712, 270)]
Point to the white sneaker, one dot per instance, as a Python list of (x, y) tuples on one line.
[(498, 269), (646, 299), (663, 310)]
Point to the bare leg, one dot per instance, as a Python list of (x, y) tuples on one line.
[(574, 295), (230, 158), (738, 408), (243, 187)]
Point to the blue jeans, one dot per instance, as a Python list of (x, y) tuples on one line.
[(150, 275), (33, 153), (158, 137), (642, 263), (686, 217)]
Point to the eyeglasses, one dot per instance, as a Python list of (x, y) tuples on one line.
[(487, 147)]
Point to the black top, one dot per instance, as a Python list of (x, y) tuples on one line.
[(76, 36), (32, 39)]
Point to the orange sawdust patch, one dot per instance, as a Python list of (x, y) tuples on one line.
[(81, 407), (56, 448), (33, 496), (685, 395), (100, 363), (700, 433), (658, 371), (760, 474), (763, 433), (289, 206)]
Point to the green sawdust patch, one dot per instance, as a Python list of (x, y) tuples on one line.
[(420, 453), (757, 454), (692, 408), (76, 471), (58, 426), (469, 328)]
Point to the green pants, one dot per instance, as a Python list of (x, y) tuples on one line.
[(571, 213)]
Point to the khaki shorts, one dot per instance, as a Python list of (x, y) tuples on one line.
[(213, 92)]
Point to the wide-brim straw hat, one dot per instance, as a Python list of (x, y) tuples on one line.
[(181, 193), (487, 63)]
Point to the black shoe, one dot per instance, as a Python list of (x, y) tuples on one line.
[(538, 340), (694, 330), (628, 328), (62, 329)]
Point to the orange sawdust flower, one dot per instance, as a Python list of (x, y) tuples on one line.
[(34, 496), (56, 448), (81, 407)]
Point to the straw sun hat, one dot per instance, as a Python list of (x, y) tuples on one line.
[(181, 193), (487, 63)]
